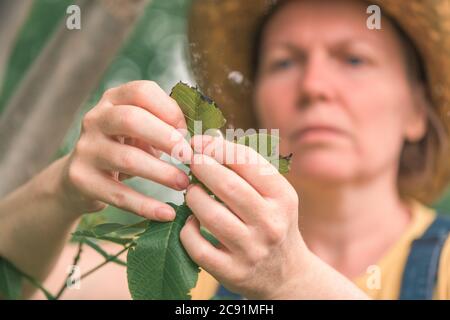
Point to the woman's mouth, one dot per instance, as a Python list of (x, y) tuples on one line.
[(316, 134)]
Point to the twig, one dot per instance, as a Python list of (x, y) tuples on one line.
[(75, 262), (106, 261), (36, 283)]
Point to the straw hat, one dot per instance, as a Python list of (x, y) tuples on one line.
[(221, 37)]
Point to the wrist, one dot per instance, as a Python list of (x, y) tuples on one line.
[(50, 185), (298, 282), (315, 279)]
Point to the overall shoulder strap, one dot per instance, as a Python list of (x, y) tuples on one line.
[(225, 294), (420, 274)]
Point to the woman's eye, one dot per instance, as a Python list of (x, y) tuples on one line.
[(354, 60), (281, 64)]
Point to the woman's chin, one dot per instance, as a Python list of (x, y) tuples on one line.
[(323, 168)]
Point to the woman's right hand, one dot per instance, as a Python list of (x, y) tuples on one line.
[(150, 122)]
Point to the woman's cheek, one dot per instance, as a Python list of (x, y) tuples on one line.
[(273, 105), (380, 141)]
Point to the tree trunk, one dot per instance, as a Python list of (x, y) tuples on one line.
[(12, 16)]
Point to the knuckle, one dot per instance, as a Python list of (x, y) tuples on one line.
[(174, 118), (288, 197), (81, 147), (274, 231), (238, 277), (246, 154), (118, 199), (144, 207), (75, 175), (256, 255), (128, 119), (199, 254), (107, 94), (126, 161), (230, 185), (89, 119), (292, 200), (144, 87)]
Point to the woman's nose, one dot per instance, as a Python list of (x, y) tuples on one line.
[(315, 82)]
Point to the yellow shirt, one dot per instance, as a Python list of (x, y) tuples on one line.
[(389, 268)]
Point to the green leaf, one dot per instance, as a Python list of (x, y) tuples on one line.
[(10, 280), (114, 232), (197, 107), (267, 146), (208, 236), (158, 266), (89, 221)]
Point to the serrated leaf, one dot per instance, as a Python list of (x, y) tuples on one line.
[(158, 265), (10, 280), (197, 107)]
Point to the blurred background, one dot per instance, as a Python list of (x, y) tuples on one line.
[(50, 76)]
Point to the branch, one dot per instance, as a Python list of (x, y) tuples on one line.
[(75, 262), (111, 258)]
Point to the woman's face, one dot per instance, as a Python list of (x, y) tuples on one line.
[(338, 92)]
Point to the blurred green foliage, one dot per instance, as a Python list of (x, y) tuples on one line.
[(44, 17), (154, 51)]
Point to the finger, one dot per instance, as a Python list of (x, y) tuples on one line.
[(105, 189), (113, 156), (130, 121), (234, 191), (148, 148), (222, 223), (143, 146), (150, 96), (210, 258), (246, 162)]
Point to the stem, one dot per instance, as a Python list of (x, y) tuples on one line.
[(75, 262), (106, 261), (39, 286)]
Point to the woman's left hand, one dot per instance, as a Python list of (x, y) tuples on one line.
[(261, 250)]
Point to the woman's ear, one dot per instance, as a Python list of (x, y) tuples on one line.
[(417, 118)]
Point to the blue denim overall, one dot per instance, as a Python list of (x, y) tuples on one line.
[(420, 274)]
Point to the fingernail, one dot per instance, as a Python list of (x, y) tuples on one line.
[(189, 218), (182, 181), (165, 214)]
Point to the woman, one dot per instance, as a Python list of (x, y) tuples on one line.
[(366, 127)]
